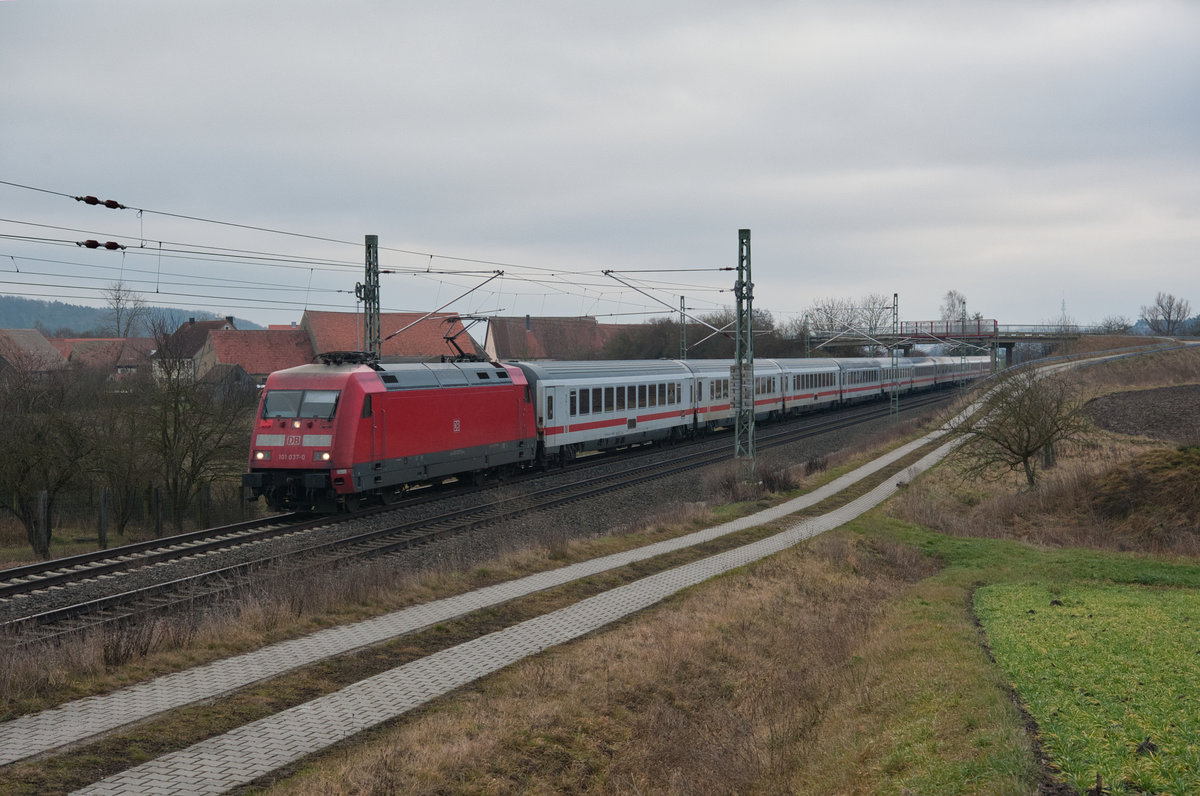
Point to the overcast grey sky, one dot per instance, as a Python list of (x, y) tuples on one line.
[(1026, 154)]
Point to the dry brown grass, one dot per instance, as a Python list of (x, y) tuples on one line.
[(1165, 369), (274, 607), (1062, 510), (718, 691), (1059, 512)]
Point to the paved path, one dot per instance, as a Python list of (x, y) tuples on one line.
[(254, 750)]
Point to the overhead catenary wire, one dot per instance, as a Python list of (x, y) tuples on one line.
[(586, 284)]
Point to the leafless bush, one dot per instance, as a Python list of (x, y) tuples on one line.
[(123, 642), (775, 475), (730, 483), (817, 464)]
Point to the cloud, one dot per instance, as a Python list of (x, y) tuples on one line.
[(871, 146)]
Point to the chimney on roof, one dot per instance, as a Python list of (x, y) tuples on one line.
[(528, 327), (191, 320), (229, 318)]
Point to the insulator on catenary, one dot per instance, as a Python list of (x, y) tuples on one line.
[(111, 245), (109, 203)]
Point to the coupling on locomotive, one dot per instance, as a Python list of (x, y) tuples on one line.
[(331, 436)]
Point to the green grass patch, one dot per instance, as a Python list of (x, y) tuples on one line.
[(1110, 673)]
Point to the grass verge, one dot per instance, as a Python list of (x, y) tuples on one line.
[(1109, 673)]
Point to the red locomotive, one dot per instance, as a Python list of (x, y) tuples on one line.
[(328, 435)]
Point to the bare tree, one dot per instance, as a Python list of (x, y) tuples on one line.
[(127, 313), (1022, 419), (1114, 324), (1167, 315), (124, 465), (197, 434), (49, 439), (875, 317), (954, 306), (875, 313), (832, 314)]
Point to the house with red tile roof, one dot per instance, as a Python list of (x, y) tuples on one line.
[(547, 338), (258, 352), (29, 350), (421, 339), (178, 350), (118, 356)]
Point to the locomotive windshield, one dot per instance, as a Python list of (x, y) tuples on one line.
[(319, 404)]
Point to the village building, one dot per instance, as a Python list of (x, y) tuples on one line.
[(530, 337)]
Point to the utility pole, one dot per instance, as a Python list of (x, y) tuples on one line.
[(742, 378), (895, 406), (368, 293), (682, 329)]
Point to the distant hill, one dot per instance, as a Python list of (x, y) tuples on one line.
[(56, 319)]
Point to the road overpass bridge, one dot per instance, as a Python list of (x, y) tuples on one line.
[(982, 334)]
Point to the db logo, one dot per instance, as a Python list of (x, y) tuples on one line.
[(457, 425), (292, 439)]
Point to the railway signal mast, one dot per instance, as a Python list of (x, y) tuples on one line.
[(368, 293), (742, 377)]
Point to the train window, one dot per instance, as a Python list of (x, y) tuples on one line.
[(641, 396), (585, 402), (549, 405), (282, 403), (597, 406), (608, 399), (366, 410), (574, 409), (621, 398), (481, 374), (653, 396), (671, 393), (318, 404)]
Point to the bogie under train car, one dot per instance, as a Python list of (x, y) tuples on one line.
[(330, 436)]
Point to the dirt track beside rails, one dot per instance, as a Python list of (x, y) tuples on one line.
[(1166, 413)]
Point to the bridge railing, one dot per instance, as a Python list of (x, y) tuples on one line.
[(972, 327), (1046, 329)]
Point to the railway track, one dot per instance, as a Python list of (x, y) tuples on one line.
[(112, 597)]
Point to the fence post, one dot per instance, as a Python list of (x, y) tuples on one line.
[(102, 530), (43, 510), (205, 505)]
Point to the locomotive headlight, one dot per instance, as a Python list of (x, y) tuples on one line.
[(321, 456), (262, 456), (295, 424)]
